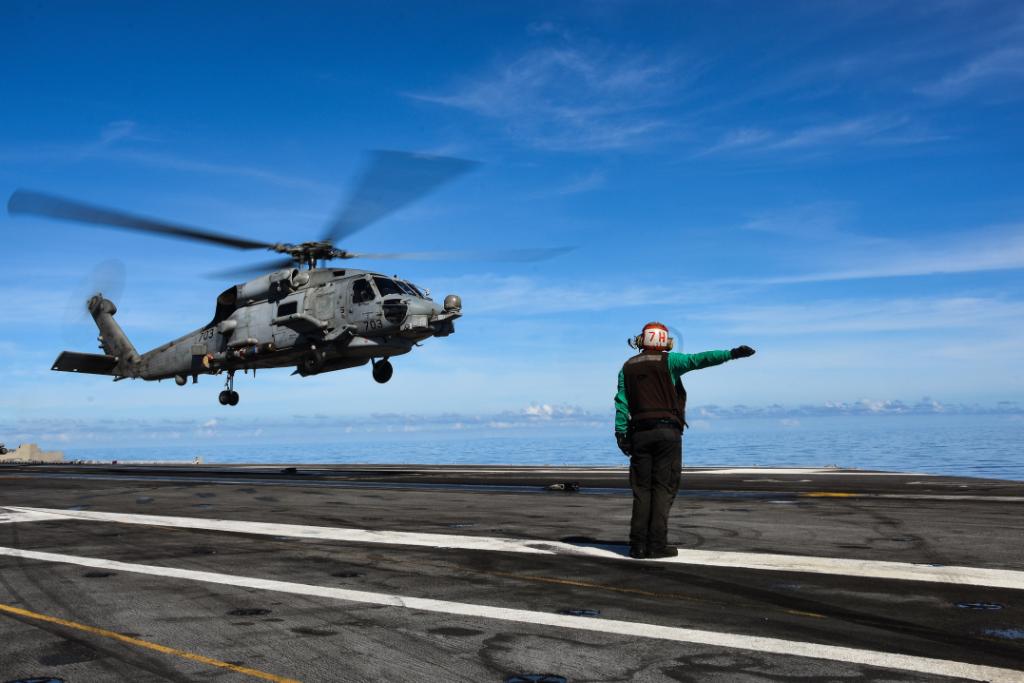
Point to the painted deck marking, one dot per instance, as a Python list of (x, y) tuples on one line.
[(7, 516), (887, 660), (255, 673), (901, 571)]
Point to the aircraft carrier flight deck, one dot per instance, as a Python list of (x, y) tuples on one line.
[(490, 573)]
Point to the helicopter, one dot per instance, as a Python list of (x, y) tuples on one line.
[(304, 313)]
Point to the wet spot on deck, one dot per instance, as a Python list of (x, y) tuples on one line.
[(98, 575), (305, 631), (580, 612), (248, 612), (536, 678), (203, 550), (143, 500), (454, 632), (347, 575), (246, 490), (206, 495), (266, 499)]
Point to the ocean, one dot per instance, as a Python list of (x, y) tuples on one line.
[(972, 445)]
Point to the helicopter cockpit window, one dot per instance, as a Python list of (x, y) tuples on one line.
[(362, 292), (407, 288), (386, 286)]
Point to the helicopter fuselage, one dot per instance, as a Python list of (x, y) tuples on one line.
[(317, 320)]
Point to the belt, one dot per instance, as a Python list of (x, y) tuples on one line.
[(644, 425)]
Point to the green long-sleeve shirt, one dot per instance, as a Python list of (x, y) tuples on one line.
[(678, 365)]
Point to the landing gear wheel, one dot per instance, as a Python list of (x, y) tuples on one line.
[(382, 371), (229, 397)]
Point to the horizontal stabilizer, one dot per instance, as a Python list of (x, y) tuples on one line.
[(88, 363)]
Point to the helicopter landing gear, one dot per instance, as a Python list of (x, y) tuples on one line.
[(312, 363), (382, 371), (229, 397)]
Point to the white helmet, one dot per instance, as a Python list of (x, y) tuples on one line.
[(655, 337)]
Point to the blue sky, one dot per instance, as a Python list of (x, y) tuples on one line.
[(835, 184)]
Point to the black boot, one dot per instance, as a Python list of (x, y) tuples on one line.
[(663, 551), (638, 551)]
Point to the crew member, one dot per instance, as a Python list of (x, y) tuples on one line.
[(650, 415)]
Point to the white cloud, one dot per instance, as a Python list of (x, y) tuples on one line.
[(815, 220), (579, 184), (119, 141), (1003, 65), (865, 130), (844, 316), (998, 248), (567, 98)]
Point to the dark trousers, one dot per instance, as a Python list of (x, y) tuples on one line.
[(654, 469)]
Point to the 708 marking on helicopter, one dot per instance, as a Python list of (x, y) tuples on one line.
[(301, 314)]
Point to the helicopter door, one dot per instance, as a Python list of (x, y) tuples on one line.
[(364, 306)]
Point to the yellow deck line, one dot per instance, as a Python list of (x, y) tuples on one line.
[(255, 673)]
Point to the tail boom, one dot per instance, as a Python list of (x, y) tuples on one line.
[(119, 357)]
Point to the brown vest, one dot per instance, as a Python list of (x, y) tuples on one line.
[(650, 390)]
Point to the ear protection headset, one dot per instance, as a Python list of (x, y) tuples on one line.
[(654, 337)]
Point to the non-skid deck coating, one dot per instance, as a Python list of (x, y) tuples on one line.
[(477, 573)]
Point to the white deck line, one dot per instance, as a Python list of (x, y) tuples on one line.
[(9, 517), (888, 660), (902, 571)]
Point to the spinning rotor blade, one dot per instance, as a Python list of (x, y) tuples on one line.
[(107, 278), (246, 272), (38, 204), (504, 255), (391, 181)]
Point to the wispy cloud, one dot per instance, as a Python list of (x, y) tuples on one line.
[(859, 131), (486, 294), (177, 163), (815, 220), (577, 184), (1003, 66), (125, 141), (981, 251), (857, 316), (569, 98)]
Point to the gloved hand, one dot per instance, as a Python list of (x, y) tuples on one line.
[(742, 352), (622, 439)]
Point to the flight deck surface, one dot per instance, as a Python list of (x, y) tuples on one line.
[(421, 573)]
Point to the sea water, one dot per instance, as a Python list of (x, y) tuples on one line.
[(971, 445)]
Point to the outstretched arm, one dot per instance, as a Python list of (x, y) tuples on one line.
[(681, 363)]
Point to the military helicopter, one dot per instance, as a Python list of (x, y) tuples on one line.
[(303, 313)]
